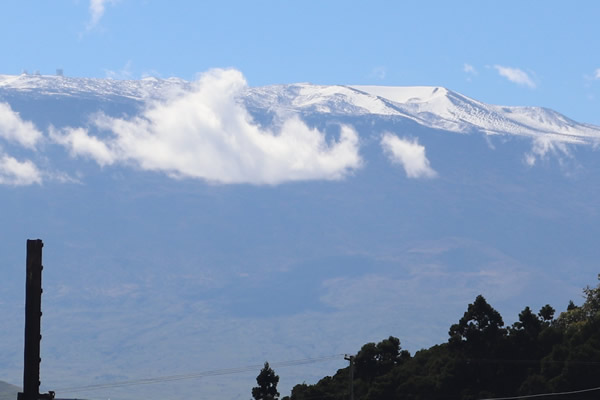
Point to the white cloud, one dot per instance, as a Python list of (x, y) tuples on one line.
[(14, 172), (14, 129), (469, 69), (378, 73), (410, 154), (116, 291), (123, 73), (515, 75), (81, 144), (597, 73), (97, 8), (207, 134), (542, 146)]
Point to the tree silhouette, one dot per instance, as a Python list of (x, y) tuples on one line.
[(547, 313), (377, 359), (537, 354), (480, 323), (267, 384)]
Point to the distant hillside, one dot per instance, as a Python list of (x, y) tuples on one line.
[(537, 356), (8, 391)]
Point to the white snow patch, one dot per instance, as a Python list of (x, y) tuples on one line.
[(404, 94)]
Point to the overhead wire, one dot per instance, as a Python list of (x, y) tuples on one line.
[(523, 361), (281, 364), (530, 396), (195, 375)]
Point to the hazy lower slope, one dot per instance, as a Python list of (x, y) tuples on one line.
[(8, 391)]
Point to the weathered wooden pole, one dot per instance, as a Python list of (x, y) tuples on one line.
[(33, 315), (351, 359)]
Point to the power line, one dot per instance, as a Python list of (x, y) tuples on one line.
[(281, 364), (530, 396), (523, 361), (196, 375)]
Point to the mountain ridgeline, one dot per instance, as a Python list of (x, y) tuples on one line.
[(210, 224), (429, 106), (538, 354)]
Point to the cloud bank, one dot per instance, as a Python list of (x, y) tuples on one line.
[(14, 129), (408, 153), (207, 134), (516, 75)]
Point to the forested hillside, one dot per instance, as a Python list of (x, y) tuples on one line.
[(483, 358)]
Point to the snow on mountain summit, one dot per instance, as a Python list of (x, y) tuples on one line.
[(444, 109), (405, 94), (432, 106), (40, 85)]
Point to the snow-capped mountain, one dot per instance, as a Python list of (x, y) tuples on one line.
[(49, 85), (434, 107), (198, 226)]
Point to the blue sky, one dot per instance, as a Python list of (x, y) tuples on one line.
[(510, 53), (285, 265)]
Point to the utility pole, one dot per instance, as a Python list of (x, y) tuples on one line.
[(351, 359), (33, 316)]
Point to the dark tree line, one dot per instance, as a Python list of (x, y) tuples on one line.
[(483, 358)]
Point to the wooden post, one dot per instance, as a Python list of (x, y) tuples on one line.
[(33, 315), (351, 359)]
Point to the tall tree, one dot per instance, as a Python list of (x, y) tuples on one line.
[(377, 359), (479, 329), (267, 384), (592, 300)]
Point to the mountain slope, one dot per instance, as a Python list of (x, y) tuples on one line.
[(158, 263), (8, 391), (444, 109), (434, 107)]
